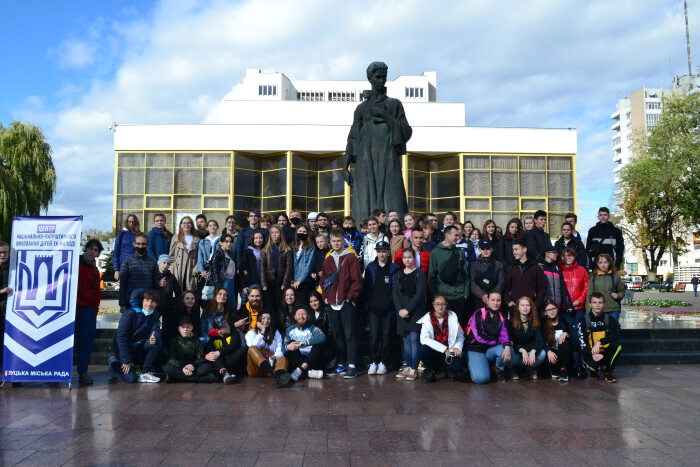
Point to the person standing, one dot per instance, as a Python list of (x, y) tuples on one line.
[(408, 294), (576, 279), (184, 248), (276, 268), (524, 278), (448, 274), (138, 271), (504, 249), (246, 233), (370, 241), (605, 280), (537, 239), (604, 237), (168, 299), (207, 246), (421, 256), (487, 275), (86, 307), (124, 243), (556, 285), (304, 253), (568, 240), (694, 281), (159, 237), (223, 268)]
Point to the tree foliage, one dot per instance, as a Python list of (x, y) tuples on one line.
[(657, 186), (27, 173), (101, 235)]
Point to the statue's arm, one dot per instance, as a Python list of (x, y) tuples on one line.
[(350, 155)]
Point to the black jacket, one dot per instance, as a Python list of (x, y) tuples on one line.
[(414, 303), (478, 272), (537, 240), (504, 251), (249, 264), (529, 340), (218, 268), (610, 239), (576, 244), (137, 272)]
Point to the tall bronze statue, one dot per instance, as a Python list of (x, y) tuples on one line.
[(376, 142)]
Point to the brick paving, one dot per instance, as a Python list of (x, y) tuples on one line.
[(651, 417)]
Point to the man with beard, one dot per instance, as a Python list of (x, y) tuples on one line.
[(138, 271), (253, 308)]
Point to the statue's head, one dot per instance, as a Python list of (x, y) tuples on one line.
[(374, 66)]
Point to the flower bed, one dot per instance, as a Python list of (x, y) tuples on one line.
[(659, 303), (690, 313), (107, 311)]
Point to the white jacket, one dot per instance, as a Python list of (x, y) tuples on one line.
[(254, 338), (427, 335), (368, 250)]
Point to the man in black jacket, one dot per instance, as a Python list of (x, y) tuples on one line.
[(138, 271), (537, 239), (604, 237)]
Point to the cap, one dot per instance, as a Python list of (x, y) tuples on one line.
[(312, 216), (219, 321), (382, 245), (549, 247), (485, 244), (163, 258)]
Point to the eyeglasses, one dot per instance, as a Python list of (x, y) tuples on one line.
[(550, 309), (440, 305)]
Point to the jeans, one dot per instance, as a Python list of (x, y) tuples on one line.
[(411, 349), (230, 287), (343, 325), (378, 338), (479, 363), (615, 314), (434, 360), (516, 358), (146, 354), (85, 329)]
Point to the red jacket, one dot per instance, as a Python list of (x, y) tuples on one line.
[(576, 279), (424, 260), (89, 293), (348, 284)]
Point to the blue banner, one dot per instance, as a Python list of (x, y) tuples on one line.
[(40, 314)]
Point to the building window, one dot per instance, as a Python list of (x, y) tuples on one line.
[(652, 119), (341, 96), (310, 96), (616, 141), (654, 105), (414, 92), (267, 90)]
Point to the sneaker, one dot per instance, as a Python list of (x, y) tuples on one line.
[(315, 374), (228, 377), (350, 373), (281, 380), (296, 374), (512, 374), (148, 378), (381, 369), (372, 369), (563, 375), (412, 375), (338, 370), (555, 377), (501, 376), (85, 379), (531, 372), (402, 373), (113, 366), (609, 377), (428, 377), (403, 366)]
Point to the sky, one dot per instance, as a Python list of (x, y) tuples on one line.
[(74, 68)]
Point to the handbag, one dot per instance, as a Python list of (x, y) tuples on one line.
[(207, 291), (329, 280)]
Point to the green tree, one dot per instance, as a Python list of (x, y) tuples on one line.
[(101, 235), (27, 173), (108, 275)]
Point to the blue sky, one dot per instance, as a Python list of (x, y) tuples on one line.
[(75, 67)]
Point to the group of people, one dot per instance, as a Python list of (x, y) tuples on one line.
[(284, 297)]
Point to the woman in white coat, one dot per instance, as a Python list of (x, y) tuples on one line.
[(441, 340)]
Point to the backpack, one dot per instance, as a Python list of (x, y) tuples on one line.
[(331, 278), (468, 328), (486, 280), (612, 276), (449, 271)]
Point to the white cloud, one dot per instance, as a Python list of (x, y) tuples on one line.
[(536, 64)]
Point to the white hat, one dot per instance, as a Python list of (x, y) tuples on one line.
[(312, 216)]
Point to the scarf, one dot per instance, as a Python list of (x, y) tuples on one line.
[(441, 335), (252, 317)]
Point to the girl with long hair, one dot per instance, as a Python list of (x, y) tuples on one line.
[(184, 248), (304, 253), (606, 280), (526, 336), (514, 233), (557, 342), (397, 240), (276, 267), (265, 352)]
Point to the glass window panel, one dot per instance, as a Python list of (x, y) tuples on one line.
[(188, 181), (304, 162), (444, 204), (420, 184), (216, 202), (304, 204), (532, 184), (304, 183), (330, 183), (159, 181), (188, 202), (444, 184), (330, 163), (477, 218), (561, 204), (158, 202), (130, 181), (504, 162), (504, 183), (532, 163), (129, 202), (419, 163), (131, 159), (477, 204), (331, 204), (247, 182), (217, 160), (218, 216), (477, 183), (559, 163), (554, 222), (217, 181), (243, 161), (274, 162), (274, 183), (159, 159), (534, 204), (243, 203), (274, 204), (188, 159), (445, 163), (560, 184), (476, 162), (505, 204), (420, 206), (501, 218)]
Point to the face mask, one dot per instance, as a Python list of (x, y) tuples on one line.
[(295, 221), (302, 236), (349, 229), (140, 250)]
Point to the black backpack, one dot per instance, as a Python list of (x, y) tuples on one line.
[(487, 280), (451, 268)]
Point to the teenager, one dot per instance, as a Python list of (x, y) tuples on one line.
[(220, 307), (606, 280), (473, 245), (201, 221), (207, 246), (86, 307), (572, 219), (397, 240), (322, 223), (124, 243), (159, 237), (186, 360), (380, 214), (467, 228), (489, 232), (441, 339), (189, 305), (556, 285), (322, 250), (353, 237), (487, 275), (604, 237), (448, 274), (265, 352), (320, 319), (138, 271), (138, 339), (528, 224), (370, 241), (576, 280), (557, 341), (377, 290), (246, 233), (526, 337), (409, 222), (420, 255), (504, 248), (524, 278), (341, 292), (225, 351), (313, 225), (276, 267), (295, 219), (536, 238), (265, 222), (223, 268), (303, 345), (184, 249), (287, 308), (250, 262), (408, 294), (568, 240), (304, 261), (487, 342), (599, 338), (232, 228), (168, 299)]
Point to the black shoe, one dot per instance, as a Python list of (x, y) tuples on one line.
[(451, 376), (84, 379), (281, 380), (501, 375), (429, 377), (350, 373), (609, 377), (563, 376)]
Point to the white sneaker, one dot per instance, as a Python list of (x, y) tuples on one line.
[(316, 374), (296, 374), (372, 369), (381, 369), (148, 378)]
